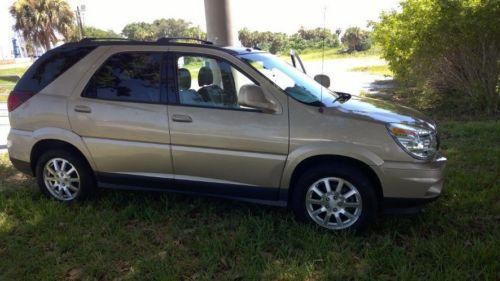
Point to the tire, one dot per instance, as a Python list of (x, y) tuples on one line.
[(76, 183), (355, 205)]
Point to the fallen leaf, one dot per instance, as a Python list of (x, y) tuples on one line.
[(122, 266), (74, 273)]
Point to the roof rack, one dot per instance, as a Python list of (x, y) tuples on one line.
[(175, 39), (95, 39)]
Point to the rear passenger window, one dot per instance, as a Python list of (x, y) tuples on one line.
[(131, 77), (48, 67)]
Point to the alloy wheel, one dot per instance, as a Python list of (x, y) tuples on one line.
[(333, 203)]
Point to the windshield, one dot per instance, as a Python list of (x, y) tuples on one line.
[(295, 83)]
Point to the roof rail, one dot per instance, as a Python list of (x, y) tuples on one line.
[(94, 39), (175, 39)]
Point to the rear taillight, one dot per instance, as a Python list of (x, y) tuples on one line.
[(17, 98)]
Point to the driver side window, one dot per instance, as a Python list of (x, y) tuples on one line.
[(209, 82)]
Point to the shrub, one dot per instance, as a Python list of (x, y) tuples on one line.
[(451, 46)]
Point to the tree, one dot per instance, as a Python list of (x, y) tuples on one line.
[(276, 41), (170, 27), (94, 32), (162, 28), (40, 21), (451, 46), (356, 39), (139, 31)]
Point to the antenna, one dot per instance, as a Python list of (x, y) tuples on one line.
[(323, 51)]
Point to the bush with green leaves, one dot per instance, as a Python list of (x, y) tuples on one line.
[(451, 47)]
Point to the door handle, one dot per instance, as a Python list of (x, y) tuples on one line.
[(83, 109), (182, 118)]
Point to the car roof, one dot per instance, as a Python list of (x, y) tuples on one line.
[(191, 42)]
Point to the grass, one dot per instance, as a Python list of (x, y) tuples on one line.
[(160, 236), (4, 91), (13, 71), (374, 69), (333, 53), (7, 82)]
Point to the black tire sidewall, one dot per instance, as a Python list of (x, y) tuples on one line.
[(348, 172), (87, 181)]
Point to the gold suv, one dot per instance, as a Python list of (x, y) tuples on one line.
[(228, 122)]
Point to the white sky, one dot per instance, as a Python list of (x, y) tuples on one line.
[(273, 15)]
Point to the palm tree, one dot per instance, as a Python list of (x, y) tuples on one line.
[(41, 20)]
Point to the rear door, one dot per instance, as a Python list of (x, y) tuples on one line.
[(120, 111), (216, 140)]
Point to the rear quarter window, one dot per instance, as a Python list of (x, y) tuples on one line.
[(48, 67)]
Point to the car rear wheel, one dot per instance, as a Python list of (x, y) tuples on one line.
[(64, 176), (335, 197)]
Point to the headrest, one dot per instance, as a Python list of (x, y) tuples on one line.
[(205, 76), (184, 79)]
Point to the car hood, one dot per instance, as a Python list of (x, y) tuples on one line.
[(381, 112)]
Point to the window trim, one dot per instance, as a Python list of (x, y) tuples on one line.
[(163, 82), (173, 95)]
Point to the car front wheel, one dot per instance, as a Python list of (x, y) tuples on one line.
[(336, 197)]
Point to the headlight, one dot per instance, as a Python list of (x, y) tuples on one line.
[(420, 143)]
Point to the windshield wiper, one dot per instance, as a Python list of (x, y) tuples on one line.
[(342, 97)]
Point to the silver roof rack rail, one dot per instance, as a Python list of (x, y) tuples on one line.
[(187, 39)]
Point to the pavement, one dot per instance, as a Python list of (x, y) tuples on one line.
[(19, 64), (352, 82), (342, 79), (4, 126)]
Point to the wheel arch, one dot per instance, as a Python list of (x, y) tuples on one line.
[(316, 160), (48, 144)]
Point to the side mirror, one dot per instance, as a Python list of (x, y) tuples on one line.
[(253, 96), (324, 80)]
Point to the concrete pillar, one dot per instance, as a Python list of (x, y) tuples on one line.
[(220, 30)]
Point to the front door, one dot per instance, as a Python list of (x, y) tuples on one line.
[(216, 140)]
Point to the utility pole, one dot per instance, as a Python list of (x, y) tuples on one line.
[(218, 15), (79, 21)]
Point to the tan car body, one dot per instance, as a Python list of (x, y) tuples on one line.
[(240, 148)]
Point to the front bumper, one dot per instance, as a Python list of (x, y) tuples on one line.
[(411, 184)]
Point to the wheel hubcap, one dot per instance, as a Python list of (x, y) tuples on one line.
[(333, 203), (61, 179)]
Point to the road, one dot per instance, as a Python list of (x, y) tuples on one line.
[(342, 79), (4, 126), (345, 80)]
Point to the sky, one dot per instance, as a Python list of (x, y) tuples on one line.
[(263, 15)]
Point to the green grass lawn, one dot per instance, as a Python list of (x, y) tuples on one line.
[(7, 82), (13, 71), (332, 53), (4, 91), (374, 69), (160, 236)]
